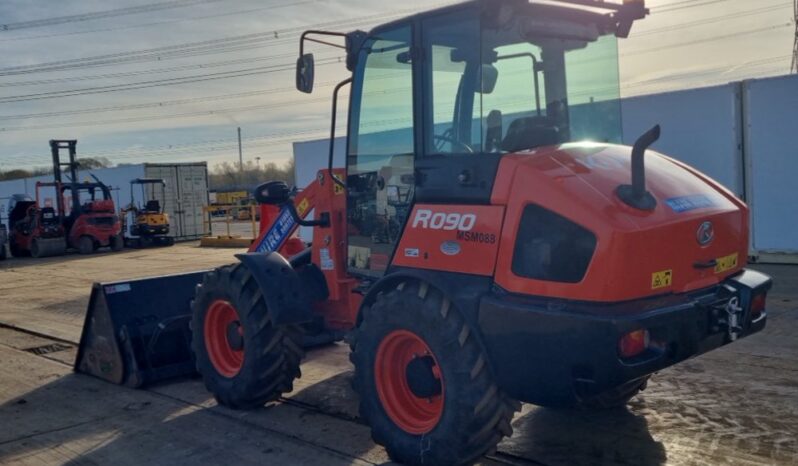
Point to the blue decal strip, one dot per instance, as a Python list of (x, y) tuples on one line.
[(278, 233), (688, 203)]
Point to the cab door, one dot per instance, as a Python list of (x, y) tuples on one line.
[(380, 156)]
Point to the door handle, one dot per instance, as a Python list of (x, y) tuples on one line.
[(710, 264)]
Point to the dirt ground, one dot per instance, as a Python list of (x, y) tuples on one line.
[(737, 405)]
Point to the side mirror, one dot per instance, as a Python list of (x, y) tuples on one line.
[(304, 73), (489, 77), (273, 193)]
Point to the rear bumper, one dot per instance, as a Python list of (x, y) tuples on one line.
[(554, 353), (149, 230)]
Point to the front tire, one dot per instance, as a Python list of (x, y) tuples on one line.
[(244, 360), (424, 383), (86, 245)]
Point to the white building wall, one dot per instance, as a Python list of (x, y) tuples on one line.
[(771, 154), (700, 127)]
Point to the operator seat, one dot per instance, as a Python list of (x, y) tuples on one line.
[(153, 206), (530, 132), (48, 216), (493, 133)]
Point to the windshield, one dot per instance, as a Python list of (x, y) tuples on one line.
[(533, 81)]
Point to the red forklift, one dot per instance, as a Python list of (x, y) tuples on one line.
[(90, 220)]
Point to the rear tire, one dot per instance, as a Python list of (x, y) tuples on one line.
[(117, 243), (262, 362), (35, 249), (16, 251), (467, 413), (85, 245)]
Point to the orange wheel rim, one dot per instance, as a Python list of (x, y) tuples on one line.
[(413, 414), (226, 359)]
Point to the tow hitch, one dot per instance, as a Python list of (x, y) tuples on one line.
[(734, 315), (728, 316)]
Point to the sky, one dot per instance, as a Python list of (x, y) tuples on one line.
[(171, 80)]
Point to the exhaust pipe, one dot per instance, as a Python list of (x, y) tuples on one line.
[(635, 194)]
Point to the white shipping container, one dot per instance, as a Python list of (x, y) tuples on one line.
[(771, 122), (700, 127), (186, 195)]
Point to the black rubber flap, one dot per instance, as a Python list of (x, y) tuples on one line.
[(137, 332)]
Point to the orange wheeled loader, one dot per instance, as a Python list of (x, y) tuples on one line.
[(489, 241)]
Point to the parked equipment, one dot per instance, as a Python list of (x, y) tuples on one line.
[(91, 221), (3, 241), (35, 230), (472, 251), (146, 223)]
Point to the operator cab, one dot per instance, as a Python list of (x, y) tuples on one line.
[(438, 98)]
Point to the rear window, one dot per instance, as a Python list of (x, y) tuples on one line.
[(552, 248)]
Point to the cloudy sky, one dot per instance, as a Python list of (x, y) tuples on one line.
[(170, 80)]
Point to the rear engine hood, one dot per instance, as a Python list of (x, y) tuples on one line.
[(696, 235)]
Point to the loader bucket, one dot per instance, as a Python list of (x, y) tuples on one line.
[(137, 332)]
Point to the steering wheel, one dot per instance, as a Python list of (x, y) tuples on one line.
[(447, 137)]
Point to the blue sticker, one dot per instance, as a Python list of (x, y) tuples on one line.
[(278, 233), (688, 203)]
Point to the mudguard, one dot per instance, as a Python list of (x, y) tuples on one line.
[(281, 286)]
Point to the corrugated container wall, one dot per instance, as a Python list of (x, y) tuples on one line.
[(186, 195)]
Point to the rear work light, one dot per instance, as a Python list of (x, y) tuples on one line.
[(758, 305), (633, 343)]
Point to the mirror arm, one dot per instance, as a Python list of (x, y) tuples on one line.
[(535, 71), (320, 33), (332, 130)]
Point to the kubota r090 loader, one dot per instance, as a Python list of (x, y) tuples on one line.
[(488, 242)]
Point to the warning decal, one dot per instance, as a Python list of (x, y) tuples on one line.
[(726, 263), (661, 279), (302, 207)]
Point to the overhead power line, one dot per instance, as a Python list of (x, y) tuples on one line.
[(149, 8), (157, 23), (239, 61), (211, 46), (160, 82), (714, 19)]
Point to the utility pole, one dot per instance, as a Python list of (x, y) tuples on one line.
[(257, 160), (241, 157)]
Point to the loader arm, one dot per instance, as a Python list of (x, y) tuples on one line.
[(278, 223)]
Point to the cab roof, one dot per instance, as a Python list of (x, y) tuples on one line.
[(611, 17)]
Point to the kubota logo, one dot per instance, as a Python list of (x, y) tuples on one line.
[(426, 218), (705, 233)]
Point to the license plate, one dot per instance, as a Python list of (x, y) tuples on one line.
[(726, 263)]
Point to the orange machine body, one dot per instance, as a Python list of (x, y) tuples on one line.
[(578, 181)]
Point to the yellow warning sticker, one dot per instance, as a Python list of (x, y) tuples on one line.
[(338, 189), (302, 207), (726, 262), (661, 279)]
